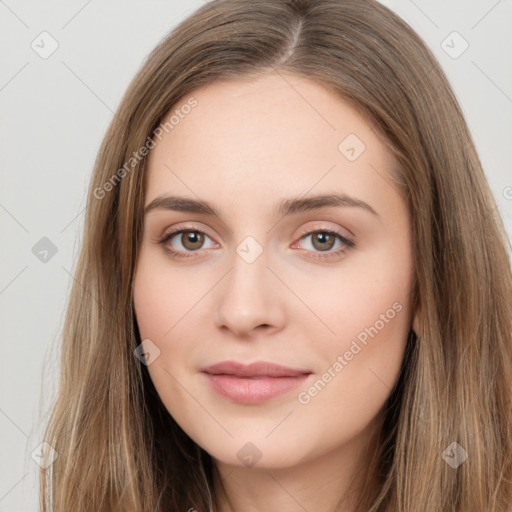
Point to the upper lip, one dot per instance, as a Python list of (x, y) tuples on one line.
[(259, 369)]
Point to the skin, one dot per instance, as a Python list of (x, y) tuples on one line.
[(246, 146)]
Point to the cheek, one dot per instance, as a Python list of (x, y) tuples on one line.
[(162, 300), (162, 296), (365, 312), (154, 305), (365, 291), (169, 308)]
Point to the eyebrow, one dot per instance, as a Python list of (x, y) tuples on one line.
[(284, 208)]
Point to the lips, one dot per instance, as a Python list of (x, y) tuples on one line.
[(254, 383), (254, 370)]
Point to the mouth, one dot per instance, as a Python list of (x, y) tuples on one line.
[(255, 383)]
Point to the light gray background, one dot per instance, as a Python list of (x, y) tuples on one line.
[(54, 114)]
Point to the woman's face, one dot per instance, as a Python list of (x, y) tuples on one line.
[(296, 252)]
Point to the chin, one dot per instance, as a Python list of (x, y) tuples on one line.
[(253, 451)]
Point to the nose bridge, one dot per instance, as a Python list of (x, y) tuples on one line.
[(248, 296)]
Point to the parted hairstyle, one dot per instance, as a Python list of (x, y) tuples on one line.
[(118, 447)]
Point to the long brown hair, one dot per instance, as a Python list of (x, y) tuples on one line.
[(118, 447)]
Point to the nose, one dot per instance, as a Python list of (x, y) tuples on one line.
[(249, 299)]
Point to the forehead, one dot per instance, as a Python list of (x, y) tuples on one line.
[(266, 112), (278, 134)]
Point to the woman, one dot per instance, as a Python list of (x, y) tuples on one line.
[(294, 289)]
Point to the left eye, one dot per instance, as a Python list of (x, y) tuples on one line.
[(325, 240), (321, 240)]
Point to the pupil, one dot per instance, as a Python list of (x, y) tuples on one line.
[(191, 239), (323, 238)]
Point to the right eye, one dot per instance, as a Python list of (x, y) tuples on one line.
[(190, 240)]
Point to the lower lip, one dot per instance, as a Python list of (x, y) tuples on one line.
[(253, 391)]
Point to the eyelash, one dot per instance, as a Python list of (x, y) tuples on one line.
[(347, 244)]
